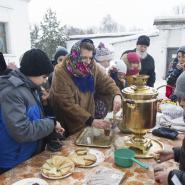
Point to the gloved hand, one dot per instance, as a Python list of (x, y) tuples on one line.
[(54, 141)]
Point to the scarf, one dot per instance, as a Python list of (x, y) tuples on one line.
[(80, 72)]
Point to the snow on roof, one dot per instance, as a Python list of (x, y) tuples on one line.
[(135, 37), (26, 0), (169, 20), (102, 35)]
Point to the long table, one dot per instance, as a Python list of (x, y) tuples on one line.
[(134, 175)]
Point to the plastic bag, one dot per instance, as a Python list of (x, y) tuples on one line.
[(172, 111)]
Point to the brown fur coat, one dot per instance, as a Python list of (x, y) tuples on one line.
[(72, 107)]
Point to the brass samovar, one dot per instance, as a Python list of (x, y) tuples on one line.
[(139, 113)]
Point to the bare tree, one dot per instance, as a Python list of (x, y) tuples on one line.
[(108, 25), (91, 30), (136, 29), (121, 28), (179, 9), (71, 30)]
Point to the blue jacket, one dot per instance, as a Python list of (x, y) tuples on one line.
[(22, 126)]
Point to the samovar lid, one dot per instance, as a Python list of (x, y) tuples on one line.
[(138, 89)]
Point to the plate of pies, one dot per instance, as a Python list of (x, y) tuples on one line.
[(86, 158), (57, 167)]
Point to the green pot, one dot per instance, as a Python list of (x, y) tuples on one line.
[(125, 157)]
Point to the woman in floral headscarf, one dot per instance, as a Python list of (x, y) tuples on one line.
[(74, 83)]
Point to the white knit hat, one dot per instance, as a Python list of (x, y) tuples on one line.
[(120, 66)]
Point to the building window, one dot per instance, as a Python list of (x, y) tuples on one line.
[(3, 47)]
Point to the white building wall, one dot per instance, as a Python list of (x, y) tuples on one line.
[(15, 14), (120, 47), (158, 51), (176, 38)]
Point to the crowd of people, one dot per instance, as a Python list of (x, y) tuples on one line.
[(44, 101)]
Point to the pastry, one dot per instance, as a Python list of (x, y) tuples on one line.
[(57, 166), (78, 160), (81, 151), (82, 158)]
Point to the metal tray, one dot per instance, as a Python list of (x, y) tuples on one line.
[(93, 137)]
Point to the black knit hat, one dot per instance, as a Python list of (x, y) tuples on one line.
[(61, 51), (35, 63), (3, 65), (143, 40)]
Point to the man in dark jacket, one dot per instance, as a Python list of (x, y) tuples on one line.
[(178, 153), (147, 61)]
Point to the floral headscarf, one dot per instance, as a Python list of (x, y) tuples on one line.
[(74, 64), (81, 73)]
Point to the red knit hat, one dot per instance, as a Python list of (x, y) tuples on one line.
[(133, 57)]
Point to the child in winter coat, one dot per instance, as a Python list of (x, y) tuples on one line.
[(133, 63), (118, 73), (22, 123), (103, 55)]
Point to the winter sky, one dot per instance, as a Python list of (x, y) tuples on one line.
[(86, 13)]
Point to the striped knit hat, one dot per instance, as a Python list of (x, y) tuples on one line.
[(103, 53)]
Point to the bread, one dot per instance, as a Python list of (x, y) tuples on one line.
[(57, 161), (78, 160), (82, 158), (81, 151), (57, 166), (90, 157)]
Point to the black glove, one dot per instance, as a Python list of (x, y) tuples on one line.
[(165, 132), (54, 141)]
